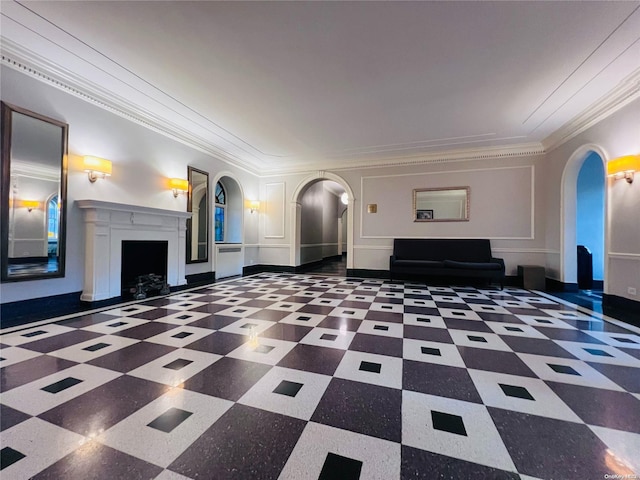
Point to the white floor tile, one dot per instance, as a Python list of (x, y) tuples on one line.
[(134, 436), (42, 443), (352, 365), (380, 458), (348, 312), (419, 302), (94, 348), (32, 334), (305, 319), (459, 314), (623, 449), (181, 336), (540, 321), (265, 350), (423, 320), (115, 325), (383, 329), (164, 370), (332, 338), (182, 318), (590, 352), (301, 405), (432, 352), (469, 338), (85, 378), (11, 355), (623, 340), (587, 376), (387, 307), (244, 326), (515, 329), (482, 444), (128, 310), (545, 402)]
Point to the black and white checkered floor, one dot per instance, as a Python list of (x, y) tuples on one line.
[(313, 377)]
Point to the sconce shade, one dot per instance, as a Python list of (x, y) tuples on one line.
[(179, 184), (344, 198), (97, 165), (29, 204), (624, 167), (254, 205), (628, 163)]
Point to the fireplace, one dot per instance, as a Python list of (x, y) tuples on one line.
[(108, 226), (141, 257)]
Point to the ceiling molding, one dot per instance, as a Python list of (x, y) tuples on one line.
[(461, 155), (18, 58), (626, 92)]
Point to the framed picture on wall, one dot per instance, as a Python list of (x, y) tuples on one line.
[(424, 214)]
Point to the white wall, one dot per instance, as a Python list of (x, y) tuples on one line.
[(142, 161)]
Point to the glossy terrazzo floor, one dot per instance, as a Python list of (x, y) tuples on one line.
[(345, 379)]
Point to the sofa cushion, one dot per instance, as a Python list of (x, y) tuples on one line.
[(419, 263), (472, 265), (439, 249)]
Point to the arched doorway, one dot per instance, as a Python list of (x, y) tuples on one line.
[(296, 215), (228, 226), (569, 213)]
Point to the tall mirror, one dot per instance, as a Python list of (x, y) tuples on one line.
[(34, 195), (198, 224), (448, 204)]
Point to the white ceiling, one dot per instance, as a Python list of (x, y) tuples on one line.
[(281, 86)]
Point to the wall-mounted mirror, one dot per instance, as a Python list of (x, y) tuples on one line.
[(34, 195), (198, 224), (449, 204)]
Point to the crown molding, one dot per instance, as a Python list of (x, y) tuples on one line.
[(623, 94), (26, 62), (458, 155)]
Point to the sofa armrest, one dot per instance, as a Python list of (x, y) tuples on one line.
[(500, 261)]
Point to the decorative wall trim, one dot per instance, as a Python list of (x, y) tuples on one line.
[(624, 256), (280, 233), (363, 213), (621, 302)]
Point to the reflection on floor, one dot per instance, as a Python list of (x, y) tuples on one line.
[(330, 267), (301, 376)]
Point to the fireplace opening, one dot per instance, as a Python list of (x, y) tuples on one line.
[(140, 258)]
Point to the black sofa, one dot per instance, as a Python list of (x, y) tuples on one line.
[(470, 259)]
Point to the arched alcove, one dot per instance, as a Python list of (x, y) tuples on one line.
[(228, 250), (296, 210), (569, 202)]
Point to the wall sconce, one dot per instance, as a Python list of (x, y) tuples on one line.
[(96, 167), (29, 204), (344, 198), (624, 167), (254, 205), (178, 185)]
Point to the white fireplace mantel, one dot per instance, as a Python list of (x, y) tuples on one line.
[(108, 224)]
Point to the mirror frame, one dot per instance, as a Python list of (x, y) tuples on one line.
[(190, 171), (6, 131), (440, 189)]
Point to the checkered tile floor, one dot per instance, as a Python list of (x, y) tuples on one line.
[(313, 377)]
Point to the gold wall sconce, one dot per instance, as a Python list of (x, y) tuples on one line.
[(96, 167), (372, 208), (254, 206), (178, 185), (29, 204), (623, 167)]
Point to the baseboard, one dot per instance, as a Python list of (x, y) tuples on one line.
[(623, 303), (553, 285), (253, 269), (198, 279), (34, 309), (366, 273)]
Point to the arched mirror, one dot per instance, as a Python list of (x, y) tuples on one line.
[(34, 195), (198, 224)]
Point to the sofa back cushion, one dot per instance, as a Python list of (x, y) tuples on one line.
[(458, 249)]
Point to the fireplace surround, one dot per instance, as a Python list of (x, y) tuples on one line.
[(108, 224)]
